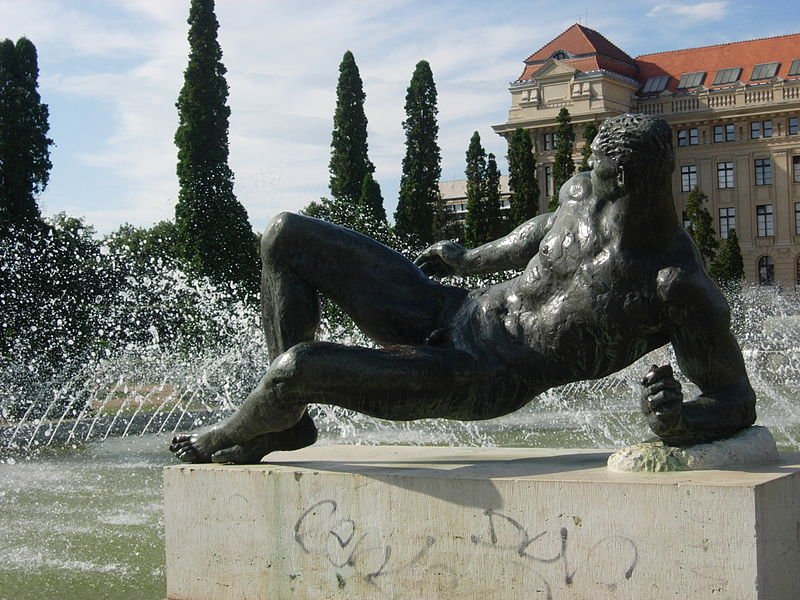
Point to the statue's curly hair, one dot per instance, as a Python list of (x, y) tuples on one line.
[(638, 141)]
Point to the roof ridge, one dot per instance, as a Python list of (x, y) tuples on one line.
[(761, 39)]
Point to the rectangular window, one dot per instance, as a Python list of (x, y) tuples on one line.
[(796, 169), (688, 177), (655, 84), (550, 140), (764, 71), (691, 80), (688, 137), (727, 221), (724, 133), (685, 219), (761, 129), (763, 168), (793, 123), (797, 218), (764, 220), (795, 68), (725, 76), (548, 180), (725, 175)]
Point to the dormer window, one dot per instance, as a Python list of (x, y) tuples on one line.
[(795, 68), (764, 71), (691, 80), (560, 55), (725, 76), (655, 84)]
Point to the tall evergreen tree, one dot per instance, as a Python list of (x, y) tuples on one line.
[(370, 201), (484, 221), (564, 166), (419, 183), (349, 161), (522, 178), (214, 234), (495, 226), (701, 226), (728, 266), (24, 146), (589, 133)]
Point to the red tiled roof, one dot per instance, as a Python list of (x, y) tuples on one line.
[(782, 49), (591, 50)]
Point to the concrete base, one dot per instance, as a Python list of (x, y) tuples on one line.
[(423, 523)]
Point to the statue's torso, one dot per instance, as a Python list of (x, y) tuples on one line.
[(582, 308)]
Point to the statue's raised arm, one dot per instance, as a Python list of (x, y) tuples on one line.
[(512, 251)]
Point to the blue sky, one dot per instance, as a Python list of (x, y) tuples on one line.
[(111, 70)]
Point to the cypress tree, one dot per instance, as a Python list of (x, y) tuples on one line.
[(24, 146), (495, 226), (349, 161), (701, 225), (522, 178), (214, 234), (589, 133), (564, 166), (728, 266), (419, 183), (370, 201), (475, 227)]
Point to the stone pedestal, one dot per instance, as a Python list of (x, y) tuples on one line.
[(418, 523)]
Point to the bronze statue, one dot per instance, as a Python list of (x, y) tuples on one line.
[(606, 278)]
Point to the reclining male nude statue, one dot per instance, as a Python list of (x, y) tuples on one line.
[(606, 278)]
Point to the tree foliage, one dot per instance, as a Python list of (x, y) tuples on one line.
[(419, 183), (483, 220), (349, 162), (24, 146), (214, 234), (564, 166), (589, 133), (701, 226), (370, 202), (728, 266), (522, 178)]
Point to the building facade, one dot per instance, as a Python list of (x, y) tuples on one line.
[(734, 112)]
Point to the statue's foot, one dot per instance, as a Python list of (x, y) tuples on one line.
[(301, 435), (198, 447), (211, 446)]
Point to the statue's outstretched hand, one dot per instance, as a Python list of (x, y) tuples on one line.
[(442, 258), (661, 400)]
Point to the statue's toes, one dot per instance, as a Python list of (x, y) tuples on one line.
[(234, 454)]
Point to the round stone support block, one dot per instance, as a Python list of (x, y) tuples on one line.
[(751, 447)]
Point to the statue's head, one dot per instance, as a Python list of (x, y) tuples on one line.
[(639, 145)]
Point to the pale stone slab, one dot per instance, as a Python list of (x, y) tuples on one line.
[(752, 447), (439, 523)]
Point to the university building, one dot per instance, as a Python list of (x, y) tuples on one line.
[(734, 112)]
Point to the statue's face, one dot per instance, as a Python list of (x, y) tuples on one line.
[(604, 168)]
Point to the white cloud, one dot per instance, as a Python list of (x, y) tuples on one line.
[(703, 11)]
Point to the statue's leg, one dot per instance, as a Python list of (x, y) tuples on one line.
[(385, 294), (398, 383)]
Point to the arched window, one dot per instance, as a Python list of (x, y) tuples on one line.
[(766, 270)]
